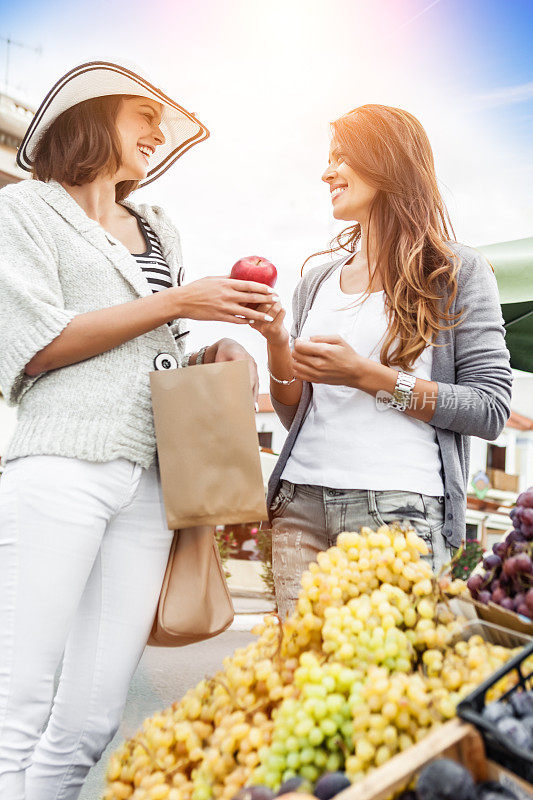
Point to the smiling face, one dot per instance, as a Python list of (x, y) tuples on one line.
[(137, 123), (351, 196)]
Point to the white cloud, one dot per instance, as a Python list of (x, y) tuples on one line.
[(503, 96)]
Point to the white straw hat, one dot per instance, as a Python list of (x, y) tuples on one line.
[(101, 78)]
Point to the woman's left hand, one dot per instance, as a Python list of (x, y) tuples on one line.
[(229, 350), (327, 359)]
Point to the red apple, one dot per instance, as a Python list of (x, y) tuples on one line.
[(255, 268)]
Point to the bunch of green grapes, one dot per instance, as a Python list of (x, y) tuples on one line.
[(313, 732), (369, 630), (359, 564), (390, 712)]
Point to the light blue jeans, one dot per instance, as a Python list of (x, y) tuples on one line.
[(83, 551), (307, 519)]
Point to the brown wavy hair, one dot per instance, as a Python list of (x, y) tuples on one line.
[(81, 144), (389, 149)]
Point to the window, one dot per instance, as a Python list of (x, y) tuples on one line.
[(265, 439), (496, 457), (472, 530)]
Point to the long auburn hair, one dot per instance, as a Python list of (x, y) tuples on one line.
[(389, 149), (81, 143)]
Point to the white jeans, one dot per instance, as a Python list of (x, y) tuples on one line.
[(83, 550)]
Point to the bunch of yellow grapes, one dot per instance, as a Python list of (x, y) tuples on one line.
[(206, 745), (457, 671), (358, 565), (370, 629), (390, 713)]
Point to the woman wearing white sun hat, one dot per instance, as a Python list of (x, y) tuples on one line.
[(91, 300)]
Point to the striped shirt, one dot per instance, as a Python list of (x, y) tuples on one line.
[(152, 261)]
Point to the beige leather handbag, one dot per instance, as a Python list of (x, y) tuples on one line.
[(195, 602)]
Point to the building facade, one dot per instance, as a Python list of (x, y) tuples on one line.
[(15, 117)]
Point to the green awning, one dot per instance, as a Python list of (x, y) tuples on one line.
[(513, 266)]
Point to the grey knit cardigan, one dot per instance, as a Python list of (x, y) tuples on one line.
[(470, 366), (56, 263)]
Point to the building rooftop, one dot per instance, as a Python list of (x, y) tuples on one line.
[(520, 422), (265, 404)]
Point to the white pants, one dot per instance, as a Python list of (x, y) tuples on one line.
[(83, 550)]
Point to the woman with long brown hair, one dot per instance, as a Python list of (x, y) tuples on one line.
[(396, 357)]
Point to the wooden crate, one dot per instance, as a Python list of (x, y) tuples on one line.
[(454, 739), (503, 481), (496, 615)]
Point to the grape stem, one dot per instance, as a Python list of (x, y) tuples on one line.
[(341, 744), (150, 753), (453, 560), (277, 654), (168, 773), (248, 712)]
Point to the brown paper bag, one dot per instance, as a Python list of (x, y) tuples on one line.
[(207, 445)]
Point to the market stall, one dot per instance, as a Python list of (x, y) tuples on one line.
[(376, 659)]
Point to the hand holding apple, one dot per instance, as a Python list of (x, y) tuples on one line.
[(259, 270), (274, 331), (255, 268)]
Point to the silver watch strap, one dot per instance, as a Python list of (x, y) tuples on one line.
[(403, 391)]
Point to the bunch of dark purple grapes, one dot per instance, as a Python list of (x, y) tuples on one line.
[(508, 576)]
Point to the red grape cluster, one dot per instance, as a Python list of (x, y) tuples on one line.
[(508, 576)]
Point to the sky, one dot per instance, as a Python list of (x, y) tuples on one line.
[(267, 78)]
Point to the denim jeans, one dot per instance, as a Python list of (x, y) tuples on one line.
[(83, 551), (307, 519)]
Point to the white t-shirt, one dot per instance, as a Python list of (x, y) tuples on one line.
[(345, 442)]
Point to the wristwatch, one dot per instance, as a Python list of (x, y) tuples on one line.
[(403, 391)]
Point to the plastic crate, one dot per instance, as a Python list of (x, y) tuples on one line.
[(500, 748)]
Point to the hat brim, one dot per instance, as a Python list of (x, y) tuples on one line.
[(182, 130)]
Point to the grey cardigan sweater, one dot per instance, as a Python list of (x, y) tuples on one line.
[(470, 366), (56, 263)]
